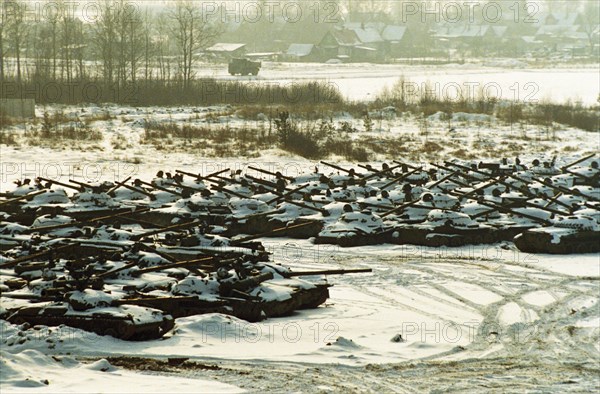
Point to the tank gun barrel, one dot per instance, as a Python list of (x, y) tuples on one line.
[(112, 190), (380, 172), (266, 234), (179, 226), (180, 264), (53, 182), (401, 178), (330, 272), (244, 284), (157, 187), (224, 190), (513, 212), (287, 194), (12, 263), (23, 197), (462, 173), (200, 177), (399, 208), (565, 167), (82, 184), (474, 191), (84, 222), (341, 169), (288, 178)]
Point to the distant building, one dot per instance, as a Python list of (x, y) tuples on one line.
[(227, 50), (375, 37), (301, 53), (470, 39), (398, 40), (338, 44), (561, 37), (372, 48)]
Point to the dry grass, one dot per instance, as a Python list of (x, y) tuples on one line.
[(212, 141), (103, 116), (8, 138)]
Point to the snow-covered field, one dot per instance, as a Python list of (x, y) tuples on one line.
[(501, 79), (122, 150), (468, 319)]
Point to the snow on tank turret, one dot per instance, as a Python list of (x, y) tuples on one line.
[(352, 229), (567, 234)]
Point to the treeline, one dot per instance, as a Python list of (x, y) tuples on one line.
[(122, 52), (116, 45)]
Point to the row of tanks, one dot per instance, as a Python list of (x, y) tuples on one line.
[(452, 204), (128, 257)]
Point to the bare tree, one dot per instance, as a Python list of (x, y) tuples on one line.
[(148, 47), (136, 41), (54, 35), (68, 40), (2, 35), (192, 31), (122, 47), (16, 31), (105, 40), (161, 44), (591, 22)]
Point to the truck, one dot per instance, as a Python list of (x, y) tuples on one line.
[(244, 67)]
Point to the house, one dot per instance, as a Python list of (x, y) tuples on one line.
[(470, 38), (397, 40), (301, 53), (226, 51), (372, 46), (527, 45), (559, 37), (338, 44)]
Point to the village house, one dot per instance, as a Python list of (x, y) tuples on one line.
[(227, 51), (398, 41), (376, 38), (301, 53), (338, 44)]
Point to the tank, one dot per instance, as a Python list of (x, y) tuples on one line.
[(129, 322), (572, 234)]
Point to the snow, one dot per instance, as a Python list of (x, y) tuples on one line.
[(512, 313), (364, 81), (32, 371), (543, 297)]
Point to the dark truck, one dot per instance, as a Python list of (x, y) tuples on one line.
[(244, 67)]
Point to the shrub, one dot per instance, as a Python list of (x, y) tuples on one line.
[(368, 123), (293, 140), (8, 138)]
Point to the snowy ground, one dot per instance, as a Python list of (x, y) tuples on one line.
[(505, 79), (123, 152)]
